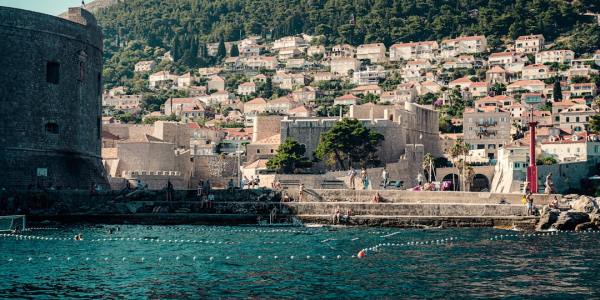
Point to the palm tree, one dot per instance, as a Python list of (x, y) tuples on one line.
[(460, 148), (469, 174), (428, 163)]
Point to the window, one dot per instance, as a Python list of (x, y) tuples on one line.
[(257, 150), (51, 128), (52, 72), (517, 165), (568, 120)]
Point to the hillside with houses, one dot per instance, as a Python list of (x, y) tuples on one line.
[(245, 98)]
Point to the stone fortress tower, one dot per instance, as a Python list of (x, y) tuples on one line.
[(50, 91)]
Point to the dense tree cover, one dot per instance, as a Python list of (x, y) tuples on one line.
[(184, 26), (290, 155), (349, 142)]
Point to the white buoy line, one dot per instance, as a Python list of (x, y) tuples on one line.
[(151, 240), (432, 242), (238, 230), (542, 234), (175, 258), (40, 228)]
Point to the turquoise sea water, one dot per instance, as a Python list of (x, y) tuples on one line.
[(201, 262)]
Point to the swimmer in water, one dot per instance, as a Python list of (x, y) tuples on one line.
[(79, 237)]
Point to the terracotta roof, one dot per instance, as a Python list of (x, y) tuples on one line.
[(272, 140), (257, 164), (282, 100), (347, 97), (479, 84), (193, 125), (565, 103), (496, 69), (526, 82), (257, 101), (299, 109), (182, 100), (461, 80), (588, 84), (502, 54)]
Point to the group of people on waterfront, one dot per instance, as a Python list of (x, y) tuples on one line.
[(205, 194), (364, 178), (252, 183), (339, 218)]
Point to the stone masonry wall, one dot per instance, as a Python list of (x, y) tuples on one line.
[(51, 99)]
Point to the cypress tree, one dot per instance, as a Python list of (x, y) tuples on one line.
[(557, 90), (268, 91), (235, 52), (176, 49), (221, 51)]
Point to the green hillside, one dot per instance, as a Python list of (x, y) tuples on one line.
[(185, 24)]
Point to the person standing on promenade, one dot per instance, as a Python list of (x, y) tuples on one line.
[(352, 175), (530, 204), (200, 186), (301, 192), (420, 179), (169, 190), (385, 177), (244, 182), (365, 178)]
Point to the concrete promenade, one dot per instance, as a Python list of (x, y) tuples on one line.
[(396, 208)]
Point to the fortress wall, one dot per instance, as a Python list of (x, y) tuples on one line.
[(51, 98)]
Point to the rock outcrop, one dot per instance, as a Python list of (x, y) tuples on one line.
[(584, 204), (576, 212), (549, 217), (568, 220)]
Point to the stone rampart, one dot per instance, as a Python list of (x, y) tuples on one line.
[(51, 95)]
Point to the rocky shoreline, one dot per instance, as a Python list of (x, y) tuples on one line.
[(576, 213)]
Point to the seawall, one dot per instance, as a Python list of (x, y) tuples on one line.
[(397, 208)]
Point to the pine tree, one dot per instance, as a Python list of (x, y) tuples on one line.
[(557, 91), (235, 52)]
